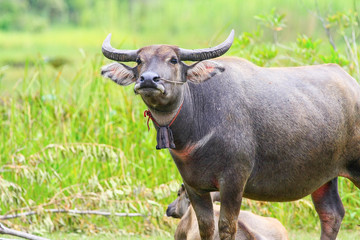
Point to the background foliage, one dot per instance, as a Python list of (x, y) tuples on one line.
[(73, 140)]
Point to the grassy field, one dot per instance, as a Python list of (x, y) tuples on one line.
[(293, 235), (70, 139)]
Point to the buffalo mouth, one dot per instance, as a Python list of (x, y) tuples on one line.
[(141, 88)]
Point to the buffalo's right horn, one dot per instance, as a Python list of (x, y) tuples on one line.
[(207, 53), (116, 54)]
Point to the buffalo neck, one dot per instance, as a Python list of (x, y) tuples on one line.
[(183, 125), (164, 116), (182, 119), (200, 115)]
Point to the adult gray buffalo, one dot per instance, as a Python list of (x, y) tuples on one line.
[(270, 134)]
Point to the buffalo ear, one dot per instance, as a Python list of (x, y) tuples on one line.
[(119, 73), (202, 71)]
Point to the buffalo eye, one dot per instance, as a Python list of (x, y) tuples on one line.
[(138, 61), (173, 60)]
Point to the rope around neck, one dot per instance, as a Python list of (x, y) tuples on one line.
[(148, 114)]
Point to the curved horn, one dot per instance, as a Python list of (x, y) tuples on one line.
[(207, 53), (117, 55)]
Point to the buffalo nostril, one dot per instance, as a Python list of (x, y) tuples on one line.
[(156, 79), (149, 76)]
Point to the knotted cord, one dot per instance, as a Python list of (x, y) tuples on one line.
[(148, 114)]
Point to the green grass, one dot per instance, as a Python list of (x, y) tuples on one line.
[(293, 235), (66, 143), (307, 235), (71, 139), (101, 236)]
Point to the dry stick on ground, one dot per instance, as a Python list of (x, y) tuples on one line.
[(8, 231), (8, 239), (84, 212), (5, 230)]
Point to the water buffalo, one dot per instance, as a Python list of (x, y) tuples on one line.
[(270, 134), (250, 226)]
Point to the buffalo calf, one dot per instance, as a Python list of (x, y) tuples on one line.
[(253, 226)]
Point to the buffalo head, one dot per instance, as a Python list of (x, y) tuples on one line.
[(160, 71)]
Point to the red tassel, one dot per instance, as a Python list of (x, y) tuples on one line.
[(148, 114)]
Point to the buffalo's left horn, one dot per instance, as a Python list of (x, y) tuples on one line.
[(207, 53), (117, 55)]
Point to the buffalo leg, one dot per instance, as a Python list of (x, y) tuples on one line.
[(330, 209), (203, 208), (230, 198)]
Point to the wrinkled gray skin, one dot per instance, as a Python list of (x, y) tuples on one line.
[(270, 134), (250, 226)]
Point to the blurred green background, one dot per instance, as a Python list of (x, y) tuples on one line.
[(70, 139), (60, 28)]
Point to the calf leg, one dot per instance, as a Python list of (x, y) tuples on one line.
[(203, 208), (330, 209)]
